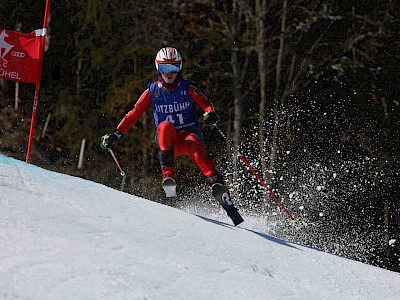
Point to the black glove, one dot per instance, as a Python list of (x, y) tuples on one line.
[(109, 139), (211, 118)]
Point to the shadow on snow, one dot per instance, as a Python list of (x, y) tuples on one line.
[(267, 237)]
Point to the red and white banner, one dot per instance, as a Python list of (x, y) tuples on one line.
[(20, 56)]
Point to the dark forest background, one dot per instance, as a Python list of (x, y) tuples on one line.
[(308, 91)]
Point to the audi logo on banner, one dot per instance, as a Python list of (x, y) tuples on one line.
[(18, 54)]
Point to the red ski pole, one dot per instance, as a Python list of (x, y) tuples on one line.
[(241, 156), (116, 161)]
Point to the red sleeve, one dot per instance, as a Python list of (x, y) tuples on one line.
[(131, 117), (200, 98)]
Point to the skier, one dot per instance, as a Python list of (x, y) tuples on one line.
[(178, 131)]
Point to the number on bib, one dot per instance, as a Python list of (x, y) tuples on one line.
[(169, 118)]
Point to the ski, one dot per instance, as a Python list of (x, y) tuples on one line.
[(169, 186), (221, 194)]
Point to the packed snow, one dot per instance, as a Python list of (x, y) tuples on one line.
[(63, 237)]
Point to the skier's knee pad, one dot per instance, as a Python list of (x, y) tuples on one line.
[(216, 178)]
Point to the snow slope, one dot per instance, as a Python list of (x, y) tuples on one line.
[(63, 237)]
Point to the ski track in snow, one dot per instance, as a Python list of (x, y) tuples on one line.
[(63, 237)]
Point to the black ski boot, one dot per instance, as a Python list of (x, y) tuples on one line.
[(221, 194)]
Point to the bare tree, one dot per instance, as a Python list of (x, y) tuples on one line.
[(261, 55), (237, 86), (290, 72)]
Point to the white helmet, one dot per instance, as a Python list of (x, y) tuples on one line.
[(168, 55)]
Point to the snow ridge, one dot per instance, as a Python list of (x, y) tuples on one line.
[(63, 237)]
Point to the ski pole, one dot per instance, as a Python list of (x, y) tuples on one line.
[(116, 161), (241, 156)]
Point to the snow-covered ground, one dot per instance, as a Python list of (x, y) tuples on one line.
[(63, 237)]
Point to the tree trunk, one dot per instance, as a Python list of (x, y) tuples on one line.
[(260, 45), (268, 175), (81, 154), (386, 180), (16, 95), (46, 125), (237, 115), (145, 148), (78, 77), (237, 101)]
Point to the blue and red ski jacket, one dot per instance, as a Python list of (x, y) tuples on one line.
[(175, 107)]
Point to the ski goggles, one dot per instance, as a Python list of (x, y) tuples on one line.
[(168, 68)]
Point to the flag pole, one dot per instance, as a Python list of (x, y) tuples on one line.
[(36, 98)]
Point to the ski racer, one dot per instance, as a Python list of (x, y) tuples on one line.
[(178, 132)]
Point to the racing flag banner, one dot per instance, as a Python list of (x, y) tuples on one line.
[(20, 56)]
